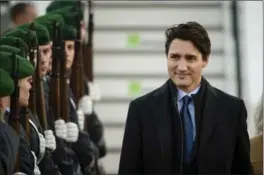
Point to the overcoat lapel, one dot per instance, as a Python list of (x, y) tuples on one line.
[(160, 113), (210, 118)]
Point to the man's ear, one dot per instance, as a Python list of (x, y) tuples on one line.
[(205, 62), (1, 103)]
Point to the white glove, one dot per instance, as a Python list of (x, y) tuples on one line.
[(42, 144), (50, 140), (95, 91), (36, 168), (86, 105), (60, 129), (81, 119), (72, 132)]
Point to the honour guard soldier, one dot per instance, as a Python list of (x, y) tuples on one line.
[(63, 156), (93, 125), (25, 70), (9, 139)]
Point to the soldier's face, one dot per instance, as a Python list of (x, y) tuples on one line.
[(185, 64), (69, 53), (24, 88), (30, 14), (4, 103), (45, 56), (50, 61), (83, 32)]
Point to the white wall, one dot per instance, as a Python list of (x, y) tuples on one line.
[(252, 53), (41, 6)]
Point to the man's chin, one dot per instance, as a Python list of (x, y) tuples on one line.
[(181, 82), (43, 73)]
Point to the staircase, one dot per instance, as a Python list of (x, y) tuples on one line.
[(130, 59)]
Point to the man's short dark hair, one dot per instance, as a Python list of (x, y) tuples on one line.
[(190, 31), (18, 9)]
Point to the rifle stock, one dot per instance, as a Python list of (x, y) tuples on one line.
[(32, 97), (77, 83), (88, 47), (54, 96), (64, 85), (14, 106), (40, 102)]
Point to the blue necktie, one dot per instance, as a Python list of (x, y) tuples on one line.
[(188, 128)]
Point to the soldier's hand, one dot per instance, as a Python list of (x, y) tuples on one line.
[(81, 119), (42, 144), (95, 91), (50, 140), (60, 129), (72, 132), (86, 105)]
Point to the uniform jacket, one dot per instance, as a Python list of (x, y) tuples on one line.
[(8, 148)]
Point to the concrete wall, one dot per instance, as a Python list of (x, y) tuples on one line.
[(252, 55)]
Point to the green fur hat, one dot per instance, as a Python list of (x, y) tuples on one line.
[(6, 48), (48, 20), (58, 5), (41, 31), (6, 84), (69, 33), (28, 36), (24, 67), (15, 42)]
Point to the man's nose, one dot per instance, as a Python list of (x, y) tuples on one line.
[(182, 65)]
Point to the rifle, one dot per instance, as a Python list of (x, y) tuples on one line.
[(24, 111), (14, 105), (77, 83), (40, 103), (54, 96), (32, 97), (88, 47), (64, 83), (32, 55)]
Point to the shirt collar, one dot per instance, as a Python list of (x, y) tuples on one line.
[(7, 109), (181, 93)]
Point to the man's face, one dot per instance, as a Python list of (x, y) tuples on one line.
[(24, 87), (69, 53), (185, 64), (30, 14), (45, 56)]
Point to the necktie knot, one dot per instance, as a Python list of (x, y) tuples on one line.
[(186, 100)]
